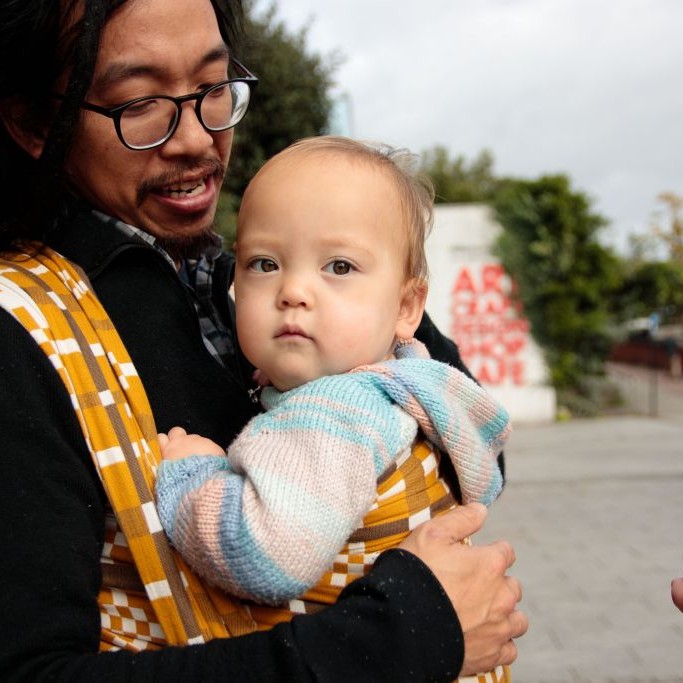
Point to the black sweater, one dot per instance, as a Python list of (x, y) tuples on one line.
[(396, 624)]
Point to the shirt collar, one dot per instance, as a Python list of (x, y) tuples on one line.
[(208, 256)]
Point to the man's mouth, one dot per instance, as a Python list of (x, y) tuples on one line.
[(183, 183), (183, 190)]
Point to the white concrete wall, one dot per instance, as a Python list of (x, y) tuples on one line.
[(469, 300)]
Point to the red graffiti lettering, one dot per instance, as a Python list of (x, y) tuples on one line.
[(464, 282), (488, 325)]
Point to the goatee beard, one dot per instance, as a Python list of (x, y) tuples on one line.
[(182, 247)]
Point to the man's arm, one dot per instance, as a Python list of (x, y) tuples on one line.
[(476, 581), (395, 624), (52, 508)]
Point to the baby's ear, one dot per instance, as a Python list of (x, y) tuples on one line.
[(412, 308), (15, 116)]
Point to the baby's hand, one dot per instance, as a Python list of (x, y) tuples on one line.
[(178, 444)]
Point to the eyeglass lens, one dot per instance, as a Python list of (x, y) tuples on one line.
[(150, 121)]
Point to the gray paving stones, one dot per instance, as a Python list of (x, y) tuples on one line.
[(594, 509)]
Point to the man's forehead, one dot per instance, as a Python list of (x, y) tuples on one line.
[(128, 66), (157, 37)]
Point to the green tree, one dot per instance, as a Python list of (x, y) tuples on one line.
[(652, 286), (457, 180), (291, 101), (671, 233), (665, 236), (565, 277)]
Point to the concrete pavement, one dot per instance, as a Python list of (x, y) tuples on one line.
[(594, 509)]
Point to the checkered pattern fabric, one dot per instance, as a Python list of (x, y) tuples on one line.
[(501, 674), (409, 492), (159, 599)]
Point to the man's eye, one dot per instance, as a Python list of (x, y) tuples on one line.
[(263, 265), (219, 91), (142, 108), (338, 267)]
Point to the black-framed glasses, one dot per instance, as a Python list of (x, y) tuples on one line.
[(148, 122)]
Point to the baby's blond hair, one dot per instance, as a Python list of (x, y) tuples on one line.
[(415, 189)]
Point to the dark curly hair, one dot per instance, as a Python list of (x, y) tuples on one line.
[(41, 40)]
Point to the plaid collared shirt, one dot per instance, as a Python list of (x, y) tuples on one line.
[(197, 276)]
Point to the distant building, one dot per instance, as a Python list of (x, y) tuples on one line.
[(470, 301), (341, 116)]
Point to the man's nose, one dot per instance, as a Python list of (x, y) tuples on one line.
[(190, 137)]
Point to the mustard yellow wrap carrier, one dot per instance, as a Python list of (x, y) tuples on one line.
[(149, 597)]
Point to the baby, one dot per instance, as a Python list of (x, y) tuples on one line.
[(330, 286)]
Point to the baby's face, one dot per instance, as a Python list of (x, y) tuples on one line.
[(320, 286)]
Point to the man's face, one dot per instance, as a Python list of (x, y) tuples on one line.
[(155, 47)]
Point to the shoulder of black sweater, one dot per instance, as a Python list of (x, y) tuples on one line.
[(440, 347), (154, 314)]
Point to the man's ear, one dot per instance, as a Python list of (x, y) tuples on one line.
[(412, 308), (19, 121)]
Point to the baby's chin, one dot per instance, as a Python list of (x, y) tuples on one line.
[(290, 378), (287, 382), (291, 383)]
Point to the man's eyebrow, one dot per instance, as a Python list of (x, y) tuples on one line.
[(121, 71)]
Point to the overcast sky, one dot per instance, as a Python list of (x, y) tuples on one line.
[(590, 88)]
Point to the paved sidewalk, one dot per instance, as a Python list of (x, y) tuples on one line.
[(594, 509)]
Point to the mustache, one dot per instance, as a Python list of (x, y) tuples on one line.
[(174, 175)]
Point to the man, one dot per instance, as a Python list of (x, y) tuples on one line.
[(126, 188)]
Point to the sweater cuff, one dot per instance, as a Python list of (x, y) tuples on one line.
[(176, 478)]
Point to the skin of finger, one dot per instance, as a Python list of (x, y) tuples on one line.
[(176, 449), (677, 593), (185, 445), (505, 654), (514, 588), (487, 646), (484, 599), (170, 451), (493, 644), (430, 538), (519, 623), (473, 577)]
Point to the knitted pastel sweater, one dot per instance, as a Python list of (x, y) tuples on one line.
[(267, 520)]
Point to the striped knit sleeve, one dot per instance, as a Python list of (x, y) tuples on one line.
[(267, 521), (456, 414)]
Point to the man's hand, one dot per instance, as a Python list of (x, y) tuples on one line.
[(178, 444), (474, 578), (677, 593)]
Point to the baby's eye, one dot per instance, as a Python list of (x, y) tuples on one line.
[(263, 265), (338, 267)]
